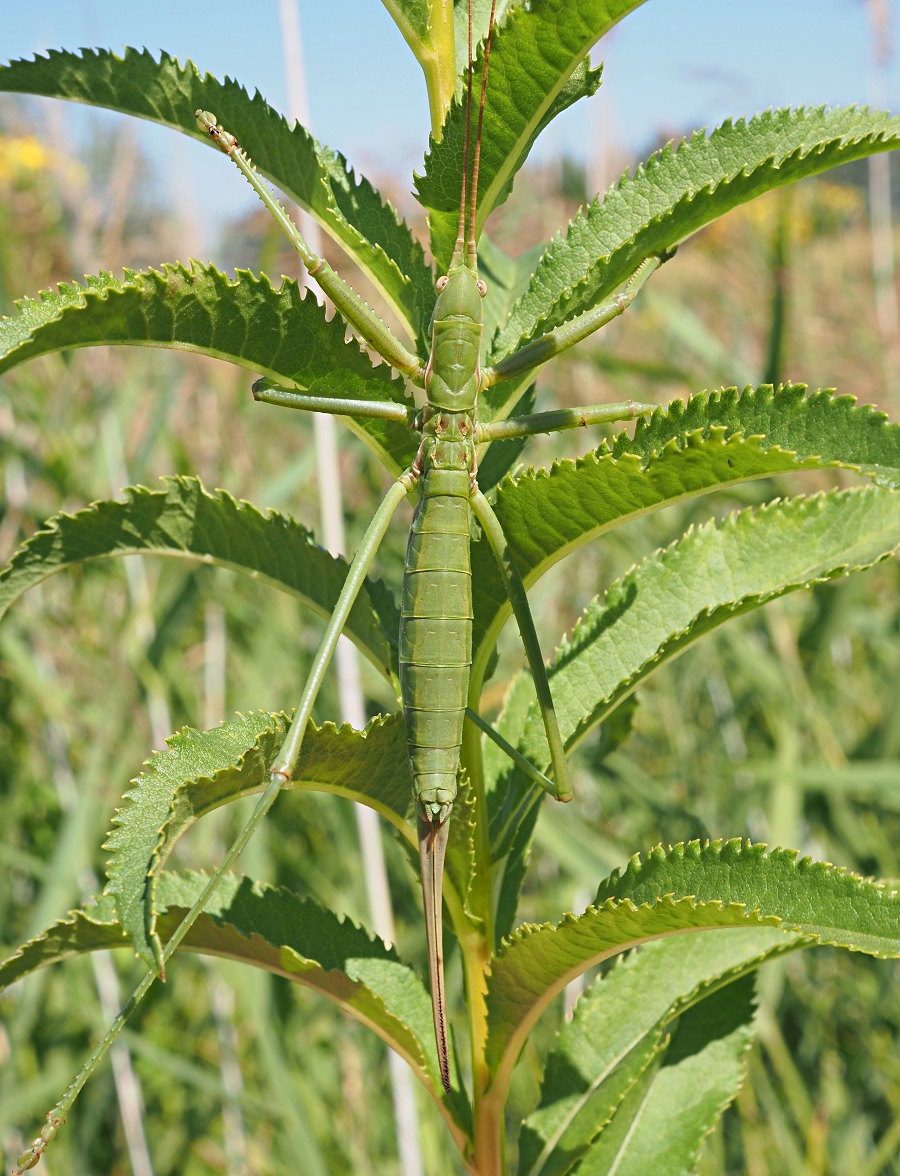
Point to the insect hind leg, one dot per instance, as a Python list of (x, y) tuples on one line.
[(515, 590)]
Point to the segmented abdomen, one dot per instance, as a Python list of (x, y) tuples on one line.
[(436, 633)]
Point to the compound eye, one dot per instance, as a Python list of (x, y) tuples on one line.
[(440, 283), (482, 287)]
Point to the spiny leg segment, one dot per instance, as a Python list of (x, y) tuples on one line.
[(540, 350), (344, 297), (515, 590)]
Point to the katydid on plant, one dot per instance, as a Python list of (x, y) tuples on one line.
[(435, 638)]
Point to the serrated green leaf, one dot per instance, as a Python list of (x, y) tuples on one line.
[(715, 1016), (280, 333), (683, 1106), (835, 428), (507, 279), (554, 1138), (828, 535), (678, 192), (444, 226), (538, 961), (437, 32), (91, 928), (814, 898), (318, 179), (205, 769), (186, 520), (461, 860), (537, 70), (663, 1128), (716, 440), (617, 1026), (614, 1139), (481, 12), (710, 575), (275, 929), (686, 888)]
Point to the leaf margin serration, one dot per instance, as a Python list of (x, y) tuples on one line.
[(199, 308), (539, 309), (334, 194), (162, 802), (189, 495)]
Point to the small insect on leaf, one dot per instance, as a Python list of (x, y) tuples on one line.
[(208, 122)]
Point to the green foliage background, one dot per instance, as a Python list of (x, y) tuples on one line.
[(783, 726)]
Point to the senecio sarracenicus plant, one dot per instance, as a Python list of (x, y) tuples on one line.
[(653, 1055)]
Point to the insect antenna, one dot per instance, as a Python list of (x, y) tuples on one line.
[(463, 201), (470, 247)]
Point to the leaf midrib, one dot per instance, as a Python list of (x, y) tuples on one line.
[(520, 1034), (579, 1104)]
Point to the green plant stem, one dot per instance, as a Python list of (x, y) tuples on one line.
[(436, 54), (476, 946)]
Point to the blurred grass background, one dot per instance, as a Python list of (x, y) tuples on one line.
[(783, 726)]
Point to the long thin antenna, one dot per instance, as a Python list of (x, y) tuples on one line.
[(460, 236), (487, 58)]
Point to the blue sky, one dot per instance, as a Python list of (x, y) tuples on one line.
[(670, 66)]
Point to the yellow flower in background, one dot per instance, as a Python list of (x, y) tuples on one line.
[(25, 155), (21, 153)]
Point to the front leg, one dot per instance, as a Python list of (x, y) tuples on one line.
[(344, 297), (539, 351)]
